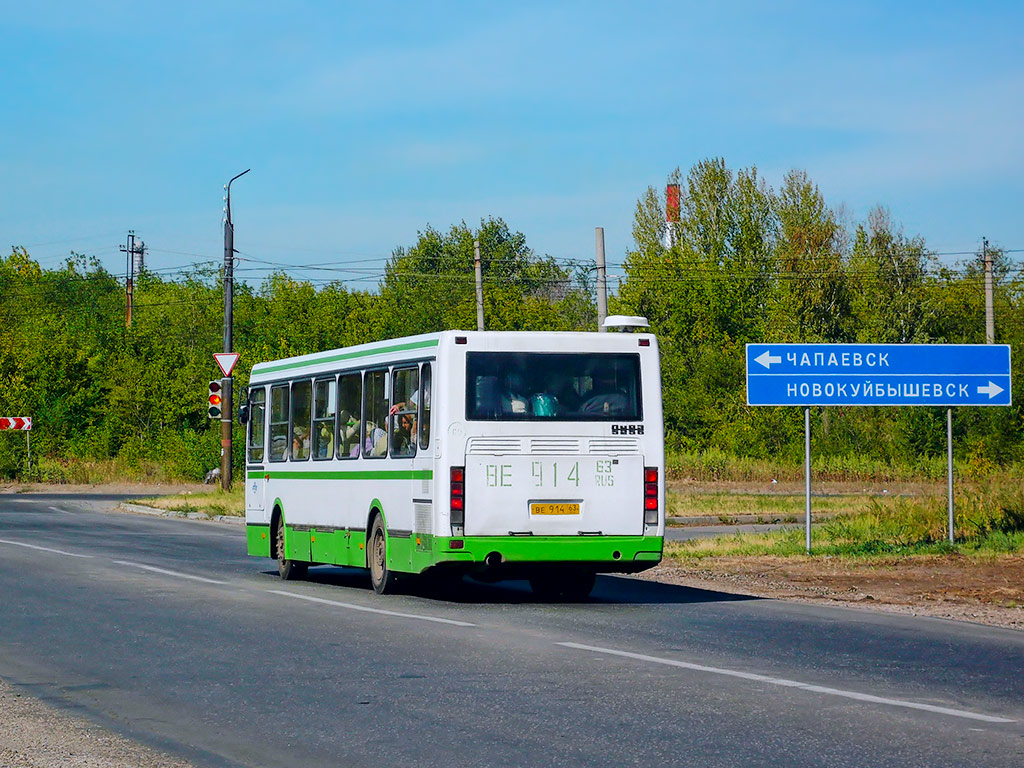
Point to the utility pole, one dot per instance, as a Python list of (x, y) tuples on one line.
[(602, 281), (129, 276), (479, 286), (990, 315), (229, 296)]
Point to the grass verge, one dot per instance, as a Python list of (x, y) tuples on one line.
[(215, 502), (988, 521), (780, 507)]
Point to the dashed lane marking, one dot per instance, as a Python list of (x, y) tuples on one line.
[(166, 572), (866, 697), (353, 607), (42, 549)]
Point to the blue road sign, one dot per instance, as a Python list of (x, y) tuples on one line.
[(878, 374)]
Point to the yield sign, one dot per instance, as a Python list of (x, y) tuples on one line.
[(226, 361)]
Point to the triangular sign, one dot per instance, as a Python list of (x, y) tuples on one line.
[(226, 361)]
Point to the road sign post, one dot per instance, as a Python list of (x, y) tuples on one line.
[(807, 477), (878, 374)]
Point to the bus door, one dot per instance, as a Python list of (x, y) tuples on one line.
[(255, 484)]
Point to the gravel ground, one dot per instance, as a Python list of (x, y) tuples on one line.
[(34, 735)]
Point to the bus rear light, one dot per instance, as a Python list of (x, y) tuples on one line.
[(457, 506), (650, 495)]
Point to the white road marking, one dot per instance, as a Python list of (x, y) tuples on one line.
[(165, 572), (792, 684), (42, 549), (58, 509), (353, 607)]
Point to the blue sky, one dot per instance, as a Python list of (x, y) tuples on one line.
[(365, 122)]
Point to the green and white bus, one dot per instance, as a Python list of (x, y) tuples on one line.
[(504, 455)]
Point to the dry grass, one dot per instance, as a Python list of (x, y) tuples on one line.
[(771, 507), (215, 502)]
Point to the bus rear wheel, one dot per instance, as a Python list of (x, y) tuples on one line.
[(563, 585), (381, 577), (289, 570)]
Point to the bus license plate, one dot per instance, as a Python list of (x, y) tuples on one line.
[(555, 508)]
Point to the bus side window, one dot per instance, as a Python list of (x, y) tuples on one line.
[(375, 415), (350, 395), (324, 398), (301, 391), (279, 422), (257, 422), (424, 406), (403, 412)]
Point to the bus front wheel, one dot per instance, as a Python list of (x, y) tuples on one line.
[(381, 577), (289, 570)]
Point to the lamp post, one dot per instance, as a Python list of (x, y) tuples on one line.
[(229, 295)]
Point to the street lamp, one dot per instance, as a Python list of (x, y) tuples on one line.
[(229, 295)]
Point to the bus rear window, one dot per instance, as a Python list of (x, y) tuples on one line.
[(541, 386)]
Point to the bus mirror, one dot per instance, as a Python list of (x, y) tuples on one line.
[(243, 413)]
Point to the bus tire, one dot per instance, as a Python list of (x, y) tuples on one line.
[(382, 578), (288, 570)]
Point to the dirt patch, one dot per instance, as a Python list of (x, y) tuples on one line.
[(989, 591)]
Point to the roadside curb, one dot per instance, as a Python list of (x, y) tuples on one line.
[(140, 509)]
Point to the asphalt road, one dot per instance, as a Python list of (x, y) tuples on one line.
[(165, 631)]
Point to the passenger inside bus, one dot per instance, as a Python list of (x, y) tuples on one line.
[(325, 445), (514, 400), (604, 397), (563, 388), (348, 431), (404, 443), (376, 440), (300, 444)]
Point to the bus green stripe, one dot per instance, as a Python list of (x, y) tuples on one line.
[(261, 369), (368, 474)]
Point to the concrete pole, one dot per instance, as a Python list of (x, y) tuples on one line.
[(479, 286), (990, 315), (602, 280)]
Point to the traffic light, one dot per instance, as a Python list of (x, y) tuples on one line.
[(214, 400)]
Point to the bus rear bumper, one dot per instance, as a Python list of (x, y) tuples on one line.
[(605, 554)]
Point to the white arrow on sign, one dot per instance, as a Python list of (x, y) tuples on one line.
[(991, 389), (766, 358), (226, 361)]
